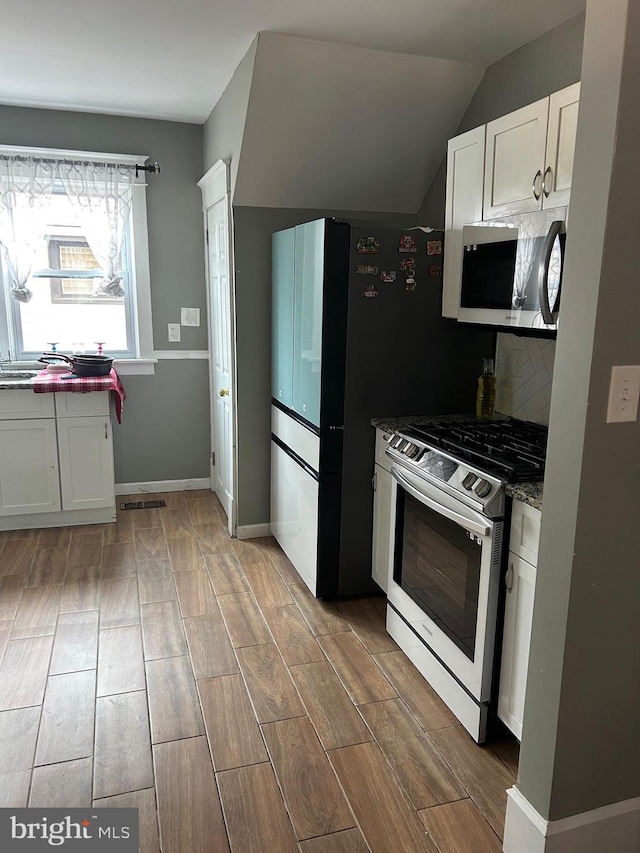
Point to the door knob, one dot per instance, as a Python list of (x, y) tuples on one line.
[(223, 392)]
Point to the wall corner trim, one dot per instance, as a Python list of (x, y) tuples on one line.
[(614, 828), (253, 531)]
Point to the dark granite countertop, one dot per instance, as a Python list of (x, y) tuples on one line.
[(17, 380), (528, 493)]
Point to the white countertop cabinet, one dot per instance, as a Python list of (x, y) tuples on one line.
[(56, 459), (29, 476), (381, 550), (520, 582)]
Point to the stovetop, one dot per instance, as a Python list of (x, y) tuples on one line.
[(471, 459), (509, 449)]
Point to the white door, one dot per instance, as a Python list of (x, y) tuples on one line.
[(514, 161), (221, 342), (29, 480), (86, 462)]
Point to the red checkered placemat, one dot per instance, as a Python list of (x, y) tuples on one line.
[(48, 383)]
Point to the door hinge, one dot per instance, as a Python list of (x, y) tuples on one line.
[(213, 457)]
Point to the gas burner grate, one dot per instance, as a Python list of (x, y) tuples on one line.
[(142, 505), (509, 448)]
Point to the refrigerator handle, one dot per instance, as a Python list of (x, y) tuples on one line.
[(543, 272)]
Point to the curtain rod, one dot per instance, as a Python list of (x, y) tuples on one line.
[(152, 168)]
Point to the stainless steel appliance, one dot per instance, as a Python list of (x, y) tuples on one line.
[(447, 509), (512, 270)]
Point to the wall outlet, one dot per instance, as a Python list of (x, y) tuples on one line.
[(190, 316), (624, 393), (174, 332), (518, 362)]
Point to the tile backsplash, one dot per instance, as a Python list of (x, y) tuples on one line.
[(527, 397)]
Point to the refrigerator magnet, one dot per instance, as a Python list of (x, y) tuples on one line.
[(370, 290), (434, 247), (408, 264), (388, 276), (435, 270), (368, 246), (407, 243), (366, 269), (410, 283)]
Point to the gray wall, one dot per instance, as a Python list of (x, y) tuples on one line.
[(550, 62), (224, 129), (334, 126), (580, 746), (157, 440)]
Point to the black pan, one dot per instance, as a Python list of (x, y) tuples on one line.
[(81, 365)]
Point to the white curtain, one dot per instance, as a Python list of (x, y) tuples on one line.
[(26, 184), (101, 194)]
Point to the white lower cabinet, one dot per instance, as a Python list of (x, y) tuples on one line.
[(381, 546), (86, 462), (56, 470), (29, 479), (520, 582)]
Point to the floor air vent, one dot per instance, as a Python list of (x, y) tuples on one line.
[(142, 505)]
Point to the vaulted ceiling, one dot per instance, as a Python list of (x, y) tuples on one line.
[(173, 58)]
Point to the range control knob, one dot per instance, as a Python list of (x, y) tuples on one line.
[(468, 480), (411, 450), (482, 488)]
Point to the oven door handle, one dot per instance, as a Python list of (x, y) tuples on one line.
[(479, 528)]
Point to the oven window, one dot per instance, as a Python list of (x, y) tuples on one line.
[(437, 563)]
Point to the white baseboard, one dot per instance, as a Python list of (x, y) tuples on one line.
[(61, 518), (162, 486), (614, 828), (253, 531)]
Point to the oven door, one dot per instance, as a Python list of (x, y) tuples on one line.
[(445, 578)]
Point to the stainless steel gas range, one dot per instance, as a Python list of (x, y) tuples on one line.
[(447, 510)]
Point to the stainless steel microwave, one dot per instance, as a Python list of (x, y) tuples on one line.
[(512, 270)]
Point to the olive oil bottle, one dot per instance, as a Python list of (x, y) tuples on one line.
[(486, 397)]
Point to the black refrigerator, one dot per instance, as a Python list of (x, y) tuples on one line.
[(357, 333)]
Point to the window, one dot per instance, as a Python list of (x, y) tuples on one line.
[(65, 295)]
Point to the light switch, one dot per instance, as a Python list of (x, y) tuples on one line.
[(624, 393), (190, 316)]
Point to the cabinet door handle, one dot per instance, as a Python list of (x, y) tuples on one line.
[(536, 177), (106, 430), (508, 578), (546, 187)]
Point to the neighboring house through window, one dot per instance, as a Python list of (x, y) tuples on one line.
[(74, 266)]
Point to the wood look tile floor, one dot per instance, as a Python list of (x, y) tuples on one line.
[(159, 664)]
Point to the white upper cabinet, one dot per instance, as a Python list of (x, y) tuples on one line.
[(561, 142), (465, 171), (529, 156), (514, 161)]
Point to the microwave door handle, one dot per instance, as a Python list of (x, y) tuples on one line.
[(543, 272), (480, 528)]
